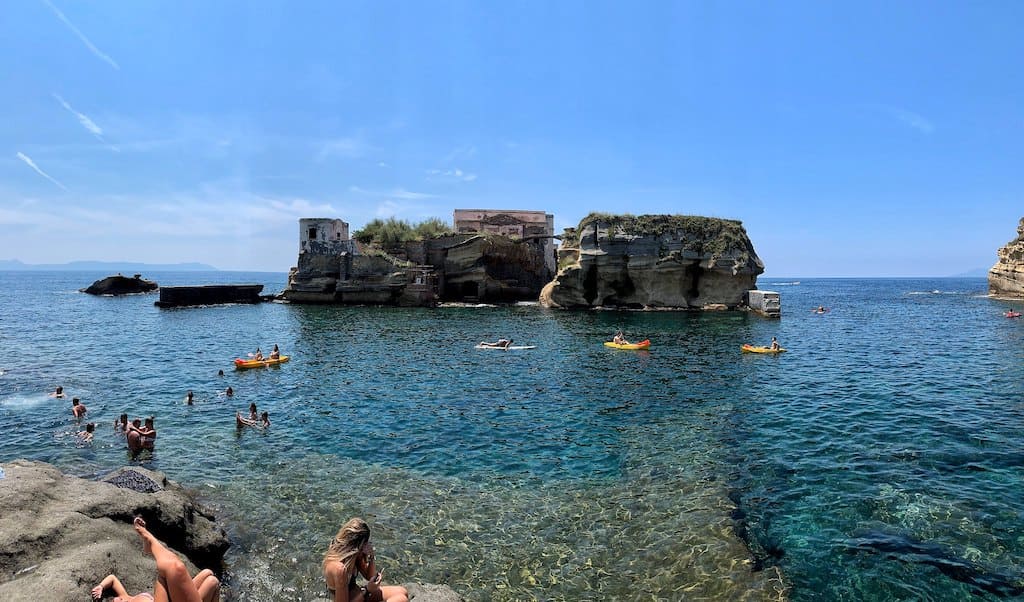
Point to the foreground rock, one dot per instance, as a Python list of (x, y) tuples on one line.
[(652, 261), (121, 285), (60, 535), (1006, 278)]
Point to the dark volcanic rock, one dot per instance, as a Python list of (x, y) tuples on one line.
[(60, 535), (121, 285)]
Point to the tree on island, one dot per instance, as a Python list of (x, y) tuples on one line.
[(395, 231)]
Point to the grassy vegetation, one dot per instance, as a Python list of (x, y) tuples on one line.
[(704, 235), (394, 231)]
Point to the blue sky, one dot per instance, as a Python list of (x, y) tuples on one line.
[(855, 139)]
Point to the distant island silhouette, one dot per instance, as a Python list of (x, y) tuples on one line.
[(127, 267)]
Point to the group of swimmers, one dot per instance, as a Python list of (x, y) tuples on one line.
[(349, 556), (140, 434)]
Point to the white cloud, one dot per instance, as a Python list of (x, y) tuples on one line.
[(96, 51), (398, 193), (28, 161), (452, 174), (460, 154), (914, 120), (346, 148)]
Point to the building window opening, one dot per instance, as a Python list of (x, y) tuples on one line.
[(312, 234)]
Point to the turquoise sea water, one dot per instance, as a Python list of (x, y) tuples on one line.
[(880, 458)]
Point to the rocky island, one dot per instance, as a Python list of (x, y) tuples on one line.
[(1006, 278), (654, 261), (121, 285), (490, 256)]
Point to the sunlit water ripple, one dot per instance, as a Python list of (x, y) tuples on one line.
[(880, 458)]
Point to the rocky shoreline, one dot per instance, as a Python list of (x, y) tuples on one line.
[(60, 535)]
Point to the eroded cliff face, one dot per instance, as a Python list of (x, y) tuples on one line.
[(1006, 278), (656, 261)]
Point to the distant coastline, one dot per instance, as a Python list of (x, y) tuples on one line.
[(109, 266)]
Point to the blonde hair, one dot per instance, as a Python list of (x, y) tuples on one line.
[(347, 544)]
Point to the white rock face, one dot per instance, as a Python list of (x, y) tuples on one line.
[(1006, 278)]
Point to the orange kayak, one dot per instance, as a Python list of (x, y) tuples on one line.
[(644, 344), (241, 364)]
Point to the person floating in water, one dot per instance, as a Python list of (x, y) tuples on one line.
[(821, 309), (87, 434), (775, 345), (253, 414), (229, 392), (58, 393), (500, 343), (78, 409)]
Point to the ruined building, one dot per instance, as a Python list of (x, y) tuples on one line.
[(493, 256)]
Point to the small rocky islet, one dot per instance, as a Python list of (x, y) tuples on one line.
[(608, 261)]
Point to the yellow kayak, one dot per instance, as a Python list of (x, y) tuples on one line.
[(641, 345), (758, 349), (241, 364)]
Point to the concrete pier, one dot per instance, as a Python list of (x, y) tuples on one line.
[(208, 294)]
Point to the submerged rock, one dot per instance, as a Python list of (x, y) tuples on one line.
[(1006, 278), (650, 261), (121, 285), (61, 535)]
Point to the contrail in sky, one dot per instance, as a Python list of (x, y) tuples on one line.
[(81, 36), (28, 161), (87, 123)]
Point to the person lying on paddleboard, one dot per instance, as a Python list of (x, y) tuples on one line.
[(500, 343), (263, 422)]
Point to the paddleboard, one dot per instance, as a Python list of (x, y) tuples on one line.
[(512, 348)]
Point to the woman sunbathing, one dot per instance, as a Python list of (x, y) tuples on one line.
[(172, 581)]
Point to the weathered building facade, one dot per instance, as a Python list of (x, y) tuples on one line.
[(515, 224)]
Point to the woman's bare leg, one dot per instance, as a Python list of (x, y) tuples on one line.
[(173, 581), (207, 585), (394, 593)]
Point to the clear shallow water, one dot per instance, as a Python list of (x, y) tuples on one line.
[(880, 458)]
